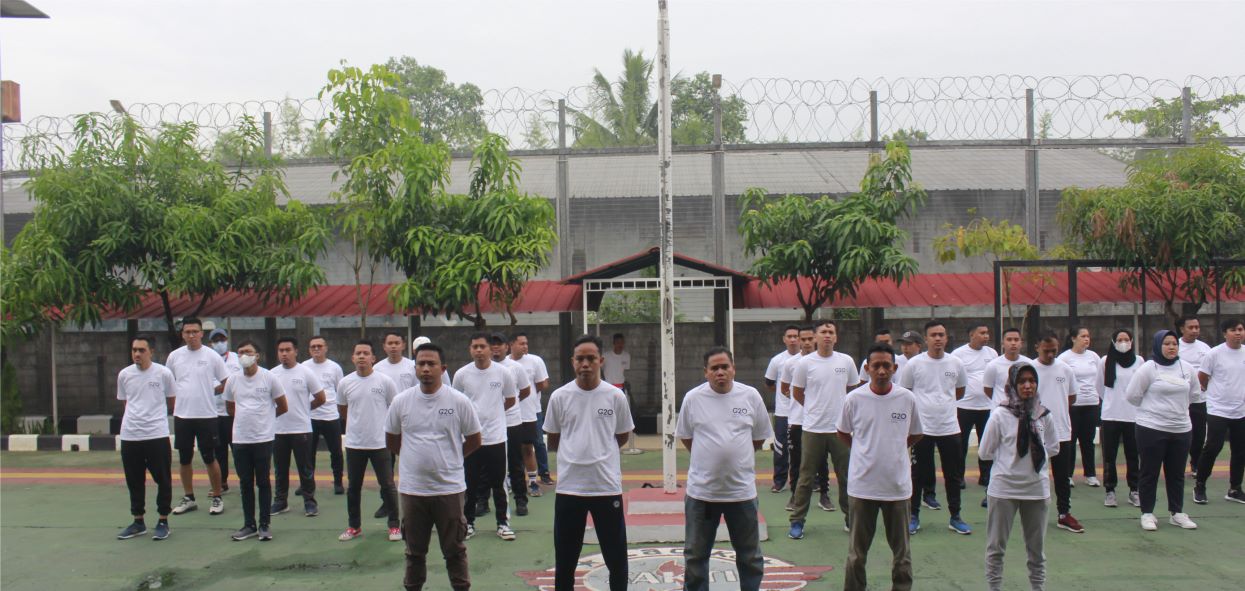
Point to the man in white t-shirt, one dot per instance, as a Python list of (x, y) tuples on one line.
[(938, 380), (219, 338), (782, 404), (910, 345), (499, 346), (1057, 392), (795, 427), (491, 388), (147, 391), (994, 380), (399, 368), (973, 409), (880, 336), (200, 373), (530, 410), (431, 428), (325, 420), (1222, 374), (819, 383), (880, 423), (363, 400), (256, 399), (1193, 350), (303, 394), (593, 418), (616, 363), (722, 423)]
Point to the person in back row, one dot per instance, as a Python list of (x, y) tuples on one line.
[(1057, 392), (201, 375), (1119, 417), (401, 369), (499, 345), (256, 399), (363, 400), (530, 409), (492, 390), (1085, 414), (782, 405), (146, 389), (1192, 351), (1222, 376), (883, 337), (303, 394), (325, 420), (219, 338), (974, 408), (795, 427)]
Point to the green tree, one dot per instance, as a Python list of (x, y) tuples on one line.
[(535, 137), (1179, 210), (691, 112), (126, 213), (827, 247), (905, 135), (447, 112), (1165, 118)]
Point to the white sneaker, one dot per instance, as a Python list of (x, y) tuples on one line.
[(1149, 522), (1134, 498), (186, 504), (1182, 520), (1110, 500), (504, 532), (1092, 481), (218, 506)]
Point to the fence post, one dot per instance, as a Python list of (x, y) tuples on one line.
[(1032, 199), (268, 134), (1186, 115), (566, 247), (718, 170), (874, 137)]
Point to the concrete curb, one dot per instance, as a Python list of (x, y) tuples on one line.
[(17, 443)]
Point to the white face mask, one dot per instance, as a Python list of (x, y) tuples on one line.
[(246, 361), (221, 347), (1123, 347)]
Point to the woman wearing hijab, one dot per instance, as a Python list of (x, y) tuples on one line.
[(1161, 390), (1118, 416), (1020, 436)]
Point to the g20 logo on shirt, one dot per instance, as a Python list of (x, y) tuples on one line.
[(840, 370), (297, 382), (1060, 380), (153, 385), (445, 412), (948, 374), (494, 385), (740, 411), (378, 391), (262, 390), (605, 412), (899, 416), (202, 363)]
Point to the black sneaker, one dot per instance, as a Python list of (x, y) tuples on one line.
[(825, 503), (338, 489), (520, 507), (162, 531), (381, 513), (546, 480), (132, 530), (1235, 496), (1199, 493), (280, 507), (310, 509), (298, 492), (244, 533), (265, 534), (930, 501)]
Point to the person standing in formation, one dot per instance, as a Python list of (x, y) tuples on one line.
[(363, 400), (219, 338), (499, 346), (401, 369), (256, 400), (1192, 351), (616, 362), (883, 337), (819, 383), (1119, 417), (795, 427), (938, 380), (722, 423), (594, 419), (879, 423), (1085, 414), (147, 391), (910, 344), (1020, 436), (200, 374), (1222, 376), (974, 408), (431, 428), (325, 420), (303, 394), (782, 404), (492, 390), (1057, 392), (530, 408), (994, 378)]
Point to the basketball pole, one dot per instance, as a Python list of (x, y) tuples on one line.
[(666, 271)]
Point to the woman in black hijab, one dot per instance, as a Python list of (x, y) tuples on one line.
[(1119, 418)]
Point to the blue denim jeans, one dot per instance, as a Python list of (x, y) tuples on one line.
[(542, 452), (701, 526)]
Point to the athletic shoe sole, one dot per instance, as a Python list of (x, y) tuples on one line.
[(164, 537), (131, 536), (1069, 528)]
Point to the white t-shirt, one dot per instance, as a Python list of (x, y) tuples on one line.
[(773, 372), (933, 382), (1056, 383), (235, 367), (880, 468), (722, 428), (995, 376), (301, 385), (1115, 407), (329, 374), (1012, 476), (615, 366), (536, 373), (1193, 354), (433, 428), (514, 414), (488, 389), (1161, 394), (197, 374), (367, 403), (826, 381), (900, 361), (402, 373), (589, 464), (795, 410), (1225, 391), (254, 405), (144, 393), (1085, 366), (975, 362)]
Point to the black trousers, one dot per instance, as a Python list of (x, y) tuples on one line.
[(570, 515), (486, 474), (514, 462), (782, 468), (298, 445), (1084, 425), (969, 420), (137, 459), (950, 455), (795, 451), (1165, 450), (224, 438), (1197, 414), (331, 431), (253, 461), (356, 466), (1217, 430), (1113, 434), (1061, 472)]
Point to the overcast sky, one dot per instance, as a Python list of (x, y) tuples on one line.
[(226, 50)]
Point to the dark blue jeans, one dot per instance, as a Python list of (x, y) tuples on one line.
[(253, 461), (701, 526), (542, 452)]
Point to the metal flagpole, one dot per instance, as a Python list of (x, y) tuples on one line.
[(669, 481)]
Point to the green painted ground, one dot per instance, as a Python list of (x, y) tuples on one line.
[(60, 536)]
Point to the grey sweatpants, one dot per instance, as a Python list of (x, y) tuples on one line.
[(1000, 515)]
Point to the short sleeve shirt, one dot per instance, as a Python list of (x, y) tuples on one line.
[(1225, 392), (514, 414), (537, 373), (589, 464), (432, 428), (825, 381), (880, 467), (146, 409), (367, 401), (301, 386), (255, 411), (616, 365), (1085, 366), (975, 362), (329, 374), (995, 376), (773, 373), (488, 389), (933, 382), (1056, 383), (402, 373), (795, 410), (722, 428), (197, 373), (235, 367)]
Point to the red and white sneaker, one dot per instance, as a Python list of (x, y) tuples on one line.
[(395, 534), (350, 534)]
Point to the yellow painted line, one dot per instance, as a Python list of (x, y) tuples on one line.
[(61, 475)]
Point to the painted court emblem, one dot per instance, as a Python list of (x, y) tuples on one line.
[(661, 569)]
